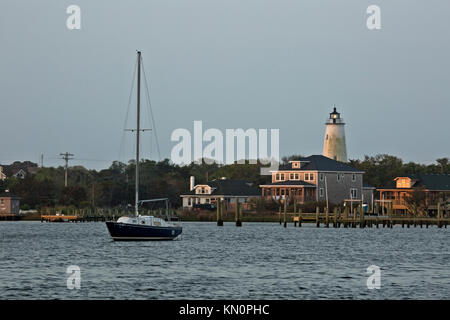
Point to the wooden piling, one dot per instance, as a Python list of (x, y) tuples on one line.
[(346, 217), (285, 209), (295, 218), (237, 211), (299, 217), (279, 213), (317, 217), (219, 207), (439, 215), (361, 217), (326, 217)]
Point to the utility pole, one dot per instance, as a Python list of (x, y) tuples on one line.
[(66, 157)]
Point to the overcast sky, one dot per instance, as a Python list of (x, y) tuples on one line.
[(230, 63)]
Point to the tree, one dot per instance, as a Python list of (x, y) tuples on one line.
[(443, 162), (73, 196), (416, 201)]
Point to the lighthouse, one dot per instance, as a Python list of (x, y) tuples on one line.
[(334, 143)]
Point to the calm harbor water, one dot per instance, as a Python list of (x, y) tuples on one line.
[(256, 261)]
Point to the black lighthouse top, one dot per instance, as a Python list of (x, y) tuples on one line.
[(335, 114), (335, 117)]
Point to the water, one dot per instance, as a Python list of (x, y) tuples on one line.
[(256, 261)]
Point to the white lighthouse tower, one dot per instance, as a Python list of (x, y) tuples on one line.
[(334, 143)]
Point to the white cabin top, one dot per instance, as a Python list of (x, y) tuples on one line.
[(145, 220)]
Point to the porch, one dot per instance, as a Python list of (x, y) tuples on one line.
[(299, 193)]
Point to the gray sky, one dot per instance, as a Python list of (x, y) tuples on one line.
[(231, 63)]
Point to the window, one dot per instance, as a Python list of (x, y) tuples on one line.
[(338, 177), (277, 177), (296, 176), (321, 176), (321, 192), (353, 177), (282, 176), (353, 193), (309, 176), (207, 200), (291, 176)]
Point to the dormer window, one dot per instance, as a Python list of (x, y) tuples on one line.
[(295, 164), (403, 182)]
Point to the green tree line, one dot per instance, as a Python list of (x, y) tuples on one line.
[(114, 186)]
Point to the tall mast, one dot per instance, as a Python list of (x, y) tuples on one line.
[(138, 131)]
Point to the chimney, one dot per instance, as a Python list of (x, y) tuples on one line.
[(192, 183)]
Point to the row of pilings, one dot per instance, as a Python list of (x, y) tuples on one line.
[(349, 218)]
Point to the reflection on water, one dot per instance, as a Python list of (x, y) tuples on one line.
[(257, 261)]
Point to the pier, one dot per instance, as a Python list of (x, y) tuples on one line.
[(368, 221), (358, 218)]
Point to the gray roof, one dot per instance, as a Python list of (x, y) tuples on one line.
[(228, 187), (431, 181), (428, 181), (319, 163)]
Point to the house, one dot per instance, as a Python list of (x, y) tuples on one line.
[(369, 195), (23, 172), (9, 204), (315, 178), (20, 174), (226, 190), (2, 174), (435, 186)]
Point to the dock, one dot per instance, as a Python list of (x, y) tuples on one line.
[(10, 217), (58, 218), (368, 221)]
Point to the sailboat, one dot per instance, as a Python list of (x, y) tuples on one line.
[(137, 227)]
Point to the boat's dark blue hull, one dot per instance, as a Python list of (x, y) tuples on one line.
[(130, 232)]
